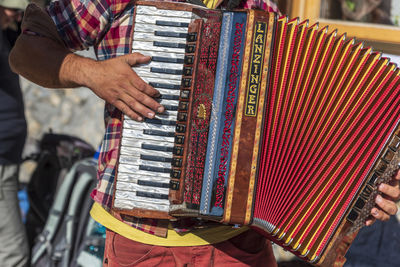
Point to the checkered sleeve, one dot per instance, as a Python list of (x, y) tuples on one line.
[(83, 23)]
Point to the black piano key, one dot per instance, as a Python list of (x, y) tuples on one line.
[(185, 94), (183, 105), (157, 148), (191, 37), (151, 195), (178, 150), (395, 143), (187, 71), (180, 139), (153, 184), (171, 34), (368, 190), (373, 179), (172, 23), (155, 158), (165, 86), (177, 162), (168, 44), (168, 59), (161, 122), (180, 128), (353, 215), (154, 169), (158, 133), (182, 116), (170, 107), (360, 203), (166, 71), (169, 97), (174, 185), (189, 60), (176, 174), (190, 48), (186, 82)]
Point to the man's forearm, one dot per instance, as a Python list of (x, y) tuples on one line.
[(48, 63)]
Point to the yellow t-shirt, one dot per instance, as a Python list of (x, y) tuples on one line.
[(197, 237), (212, 3)]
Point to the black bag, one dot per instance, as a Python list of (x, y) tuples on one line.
[(57, 153), (70, 236)]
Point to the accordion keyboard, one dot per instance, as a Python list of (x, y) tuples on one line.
[(147, 147)]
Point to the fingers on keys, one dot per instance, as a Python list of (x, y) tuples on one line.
[(386, 202), (140, 103)]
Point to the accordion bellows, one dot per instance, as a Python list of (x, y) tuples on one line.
[(279, 125)]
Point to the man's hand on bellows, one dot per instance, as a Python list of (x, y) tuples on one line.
[(117, 83), (386, 203)]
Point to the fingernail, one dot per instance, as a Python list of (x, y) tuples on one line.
[(378, 199), (150, 114), (374, 212), (139, 118), (160, 109), (381, 186)]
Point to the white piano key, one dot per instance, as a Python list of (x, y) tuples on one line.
[(169, 92), (122, 201), (168, 102), (139, 126), (151, 36), (165, 115), (153, 64), (134, 160), (134, 187), (138, 134), (157, 80), (162, 54), (135, 168), (128, 196), (143, 45), (130, 169), (143, 72), (136, 143), (152, 10), (140, 143), (134, 178), (136, 152), (155, 17), (169, 115), (143, 27)]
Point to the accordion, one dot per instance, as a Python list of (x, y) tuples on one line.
[(269, 122)]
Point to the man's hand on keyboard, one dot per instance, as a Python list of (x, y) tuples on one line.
[(119, 85)]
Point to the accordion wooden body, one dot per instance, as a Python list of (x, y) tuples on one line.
[(270, 122)]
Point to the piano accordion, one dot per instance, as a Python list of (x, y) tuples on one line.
[(269, 122)]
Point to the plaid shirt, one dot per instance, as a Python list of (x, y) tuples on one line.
[(107, 26)]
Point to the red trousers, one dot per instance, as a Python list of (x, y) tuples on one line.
[(246, 249)]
